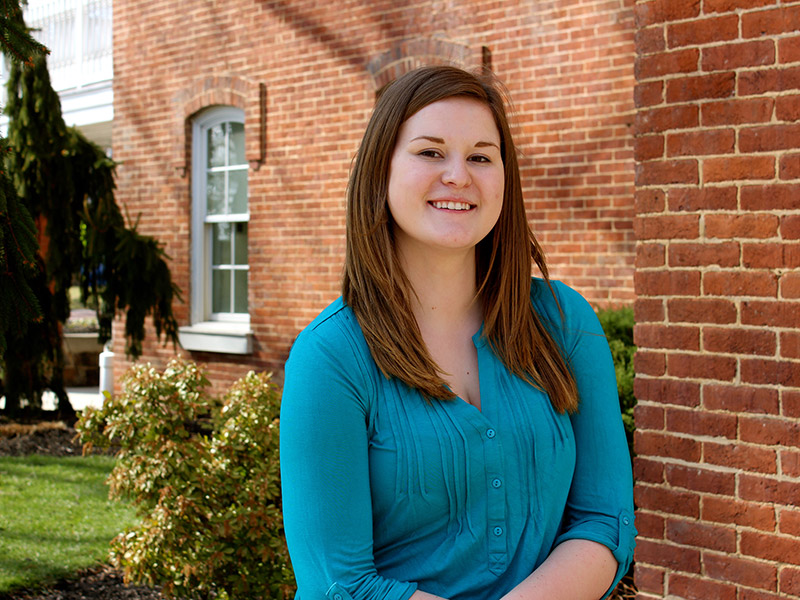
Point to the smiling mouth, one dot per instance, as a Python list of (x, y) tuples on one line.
[(449, 205)]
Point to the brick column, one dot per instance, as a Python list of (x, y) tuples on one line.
[(718, 312)]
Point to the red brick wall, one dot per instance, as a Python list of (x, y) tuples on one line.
[(718, 308), (567, 64)]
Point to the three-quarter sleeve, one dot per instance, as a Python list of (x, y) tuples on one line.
[(600, 503), (325, 472)]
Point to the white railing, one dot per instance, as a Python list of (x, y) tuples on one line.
[(79, 36)]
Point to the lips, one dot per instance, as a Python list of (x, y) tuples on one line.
[(451, 205)]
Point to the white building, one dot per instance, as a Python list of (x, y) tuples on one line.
[(79, 36)]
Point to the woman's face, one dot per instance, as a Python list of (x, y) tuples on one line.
[(446, 177)]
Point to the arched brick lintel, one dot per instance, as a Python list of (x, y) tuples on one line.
[(219, 90)]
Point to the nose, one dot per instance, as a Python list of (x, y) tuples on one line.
[(457, 173)]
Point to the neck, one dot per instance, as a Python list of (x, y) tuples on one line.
[(445, 289)]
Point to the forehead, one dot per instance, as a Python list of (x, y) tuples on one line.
[(456, 116)]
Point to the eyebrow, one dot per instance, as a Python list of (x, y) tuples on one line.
[(437, 140)]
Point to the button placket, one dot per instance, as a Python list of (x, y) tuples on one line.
[(497, 535)]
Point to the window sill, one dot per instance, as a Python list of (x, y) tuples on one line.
[(213, 336)]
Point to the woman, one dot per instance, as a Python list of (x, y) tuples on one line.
[(450, 427)]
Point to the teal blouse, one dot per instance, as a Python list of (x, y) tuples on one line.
[(385, 493)]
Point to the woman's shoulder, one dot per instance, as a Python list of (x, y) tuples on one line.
[(334, 331), (547, 298)]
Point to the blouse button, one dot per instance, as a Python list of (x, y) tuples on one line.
[(496, 483), (337, 597), (625, 521), (498, 531), (490, 433)]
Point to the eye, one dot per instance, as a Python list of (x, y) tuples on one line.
[(480, 158), (430, 153)]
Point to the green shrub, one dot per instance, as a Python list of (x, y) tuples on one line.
[(618, 327), (204, 477)]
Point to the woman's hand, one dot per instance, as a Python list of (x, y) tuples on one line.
[(575, 570)]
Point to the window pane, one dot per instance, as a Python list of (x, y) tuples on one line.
[(220, 291), (216, 146), (240, 291), (215, 194), (221, 244), (240, 244), (236, 144), (237, 191)]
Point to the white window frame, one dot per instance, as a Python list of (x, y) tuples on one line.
[(227, 333)]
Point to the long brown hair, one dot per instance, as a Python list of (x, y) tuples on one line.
[(375, 286)]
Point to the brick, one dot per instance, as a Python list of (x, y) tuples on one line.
[(666, 336), (768, 255), (657, 120), (648, 147), (649, 363), (789, 166), (649, 201), (770, 547), (740, 456), (702, 87), (703, 31), (649, 40), (650, 255), (769, 138), (762, 81), (706, 198), (649, 579), (789, 49), (660, 11), (725, 254), (790, 581), (734, 56), (719, 483), (667, 172), (667, 391), (740, 283), (699, 588), (699, 535), (770, 22), (667, 227), (740, 399), (648, 94), (647, 309), (667, 283), (659, 64), (649, 417), (757, 225), (739, 341), (717, 509), (666, 500), (789, 522), (770, 197), (649, 525), (769, 431), (771, 372), (787, 108), (647, 471), (694, 366), (758, 488), (674, 558), (770, 313), (790, 227), (734, 168), (736, 112), (790, 402), (790, 286), (790, 344), (741, 571), (699, 143), (701, 310), (790, 464), (667, 446)]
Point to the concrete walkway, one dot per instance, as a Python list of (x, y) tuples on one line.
[(79, 397)]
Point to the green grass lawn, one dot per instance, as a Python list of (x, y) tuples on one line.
[(55, 517)]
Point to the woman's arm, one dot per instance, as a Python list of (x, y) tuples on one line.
[(418, 595), (575, 570)]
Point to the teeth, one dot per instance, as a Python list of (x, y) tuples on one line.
[(452, 205)]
